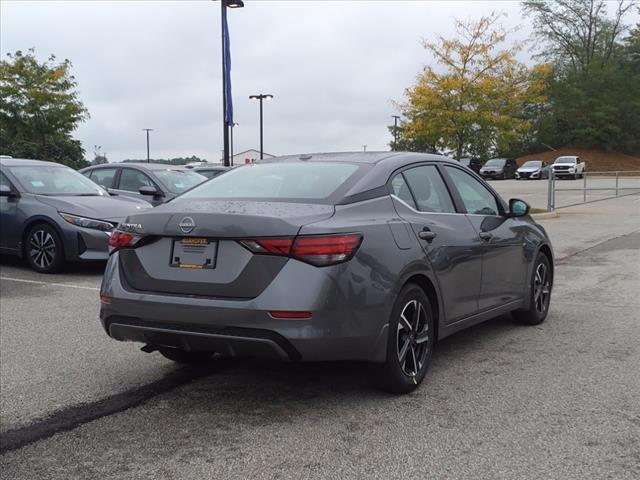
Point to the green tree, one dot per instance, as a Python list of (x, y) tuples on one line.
[(475, 101), (594, 91), (40, 109)]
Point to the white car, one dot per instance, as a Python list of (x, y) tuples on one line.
[(569, 166)]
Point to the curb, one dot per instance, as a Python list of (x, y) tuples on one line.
[(542, 216)]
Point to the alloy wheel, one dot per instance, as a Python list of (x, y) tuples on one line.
[(412, 337), (541, 288), (42, 248)]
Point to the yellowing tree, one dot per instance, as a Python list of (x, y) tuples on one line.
[(478, 99)]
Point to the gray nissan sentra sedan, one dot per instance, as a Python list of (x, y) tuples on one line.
[(350, 256)]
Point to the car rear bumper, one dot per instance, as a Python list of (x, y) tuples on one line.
[(340, 328)]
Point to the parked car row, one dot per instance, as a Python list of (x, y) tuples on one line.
[(505, 168), (368, 256), (50, 214)]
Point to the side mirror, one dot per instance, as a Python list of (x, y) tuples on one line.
[(149, 190), (5, 191), (518, 208)]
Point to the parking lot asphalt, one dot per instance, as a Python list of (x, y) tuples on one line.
[(501, 400), (58, 369), (53, 352)]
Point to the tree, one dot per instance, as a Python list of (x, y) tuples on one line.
[(594, 91), (476, 102), (39, 109), (577, 33), (99, 157)]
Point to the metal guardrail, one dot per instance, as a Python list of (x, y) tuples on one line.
[(618, 188)]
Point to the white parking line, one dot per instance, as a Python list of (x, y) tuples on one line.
[(36, 282)]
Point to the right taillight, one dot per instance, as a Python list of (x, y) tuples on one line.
[(318, 250), (119, 239)]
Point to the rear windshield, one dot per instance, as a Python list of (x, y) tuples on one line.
[(277, 181)]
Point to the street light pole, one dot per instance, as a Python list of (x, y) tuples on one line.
[(364, 148), (225, 121), (233, 125), (395, 131), (261, 97), (147, 130)]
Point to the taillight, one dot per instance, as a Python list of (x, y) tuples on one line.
[(318, 250), (121, 239)]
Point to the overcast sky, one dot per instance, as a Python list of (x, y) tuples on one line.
[(333, 67)]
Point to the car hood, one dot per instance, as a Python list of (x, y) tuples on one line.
[(529, 169), (491, 169), (98, 207)]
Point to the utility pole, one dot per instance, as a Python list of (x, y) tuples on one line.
[(395, 131), (147, 130), (364, 148)]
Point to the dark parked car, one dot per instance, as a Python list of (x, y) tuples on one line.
[(155, 183), (533, 170), (366, 256), (211, 171), (50, 214), (474, 164), (499, 168)]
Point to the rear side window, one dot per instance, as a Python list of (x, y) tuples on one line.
[(401, 190), (475, 196), (278, 181), (103, 176), (429, 190)]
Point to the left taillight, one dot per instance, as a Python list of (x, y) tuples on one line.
[(121, 239), (318, 250)]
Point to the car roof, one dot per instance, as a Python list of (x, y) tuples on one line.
[(144, 166), (15, 162), (210, 167), (356, 157)]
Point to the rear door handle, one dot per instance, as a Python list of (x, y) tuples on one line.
[(486, 236), (427, 235)]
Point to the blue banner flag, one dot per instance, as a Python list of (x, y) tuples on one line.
[(228, 114)]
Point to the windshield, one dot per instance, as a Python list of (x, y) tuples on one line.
[(570, 160), (55, 180), (312, 180), (496, 162), (532, 164), (178, 181)]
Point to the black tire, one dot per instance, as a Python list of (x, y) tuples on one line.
[(541, 284), (188, 358), (410, 342), (43, 249)]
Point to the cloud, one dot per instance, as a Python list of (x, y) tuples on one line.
[(333, 67)]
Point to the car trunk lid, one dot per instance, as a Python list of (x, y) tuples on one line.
[(220, 267)]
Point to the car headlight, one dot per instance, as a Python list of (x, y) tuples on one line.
[(87, 222)]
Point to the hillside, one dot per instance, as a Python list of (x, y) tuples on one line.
[(597, 160)]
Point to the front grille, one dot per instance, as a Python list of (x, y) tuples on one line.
[(561, 167)]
